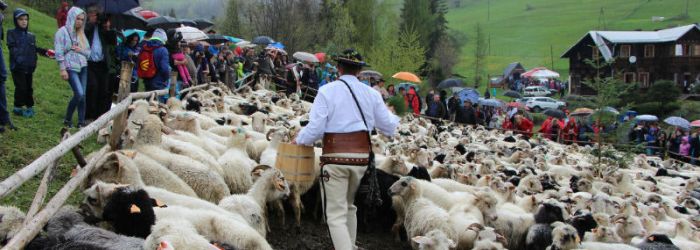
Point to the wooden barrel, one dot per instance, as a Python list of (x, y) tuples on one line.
[(296, 162)]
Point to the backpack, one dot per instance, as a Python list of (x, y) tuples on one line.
[(147, 65)]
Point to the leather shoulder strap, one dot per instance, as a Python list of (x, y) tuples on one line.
[(356, 103)]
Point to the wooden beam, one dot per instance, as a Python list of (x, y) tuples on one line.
[(20, 177), (32, 228), (40, 196), (173, 84), (119, 122)]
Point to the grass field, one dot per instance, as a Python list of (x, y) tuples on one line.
[(38, 134), (545, 31)]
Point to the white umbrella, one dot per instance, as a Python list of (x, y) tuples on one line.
[(545, 73), (306, 57), (191, 34), (245, 44)]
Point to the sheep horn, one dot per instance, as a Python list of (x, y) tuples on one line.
[(267, 136)]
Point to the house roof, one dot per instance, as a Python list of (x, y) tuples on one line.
[(603, 38), (511, 67)]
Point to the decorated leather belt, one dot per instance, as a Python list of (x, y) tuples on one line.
[(344, 161)]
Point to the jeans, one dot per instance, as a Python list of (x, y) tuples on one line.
[(78, 82)]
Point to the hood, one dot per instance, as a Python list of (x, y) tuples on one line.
[(73, 13), (18, 13), (411, 91), (160, 35)]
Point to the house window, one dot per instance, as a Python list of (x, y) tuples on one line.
[(696, 50), (629, 77), (644, 79), (680, 50), (625, 51), (649, 50)]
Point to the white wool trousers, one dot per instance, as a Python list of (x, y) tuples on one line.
[(340, 183)]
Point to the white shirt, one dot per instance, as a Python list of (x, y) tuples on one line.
[(335, 111)]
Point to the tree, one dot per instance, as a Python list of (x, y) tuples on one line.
[(337, 28), (480, 53), (231, 23), (397, 53), (364, 17), (416, 15)]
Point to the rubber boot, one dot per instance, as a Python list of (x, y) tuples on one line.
[(29, 112)]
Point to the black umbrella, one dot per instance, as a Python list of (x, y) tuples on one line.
[(216, 39), (512, 94), (452, 82), (163, 22), (555, 113), (188, 22), (263, 40), (109, 6), (131, 19), (203, 24)]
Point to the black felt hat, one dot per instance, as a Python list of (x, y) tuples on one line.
[(350, 57)]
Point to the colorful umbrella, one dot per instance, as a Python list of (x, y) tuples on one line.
[(468, 94), (305, 57), (321, 57), (407, 76), (677, 121), (695, 124), (490, 102), (233, 39)]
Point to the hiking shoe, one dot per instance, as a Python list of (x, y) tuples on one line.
[(29, 112), (67, 124), (18, 111)]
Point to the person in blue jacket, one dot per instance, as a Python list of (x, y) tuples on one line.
[(23, 60), (161, 59)]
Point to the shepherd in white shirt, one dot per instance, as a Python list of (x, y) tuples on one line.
[(345, 129)]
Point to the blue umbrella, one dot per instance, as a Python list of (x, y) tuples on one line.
[(109, 6), (130, 32), (678, 122), (233, 39), (490, 102), (277, 45), (468, 94), (647, 118), (263, 40)]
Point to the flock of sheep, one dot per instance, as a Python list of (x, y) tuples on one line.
[(197, 174)]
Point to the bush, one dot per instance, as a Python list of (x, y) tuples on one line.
[(657, 108), (538, 118), (398, 103)]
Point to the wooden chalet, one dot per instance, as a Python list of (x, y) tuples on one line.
[(637, 57)]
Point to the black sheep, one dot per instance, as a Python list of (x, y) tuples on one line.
[(583, 221), (549, 183), (130, 212), (657, 242), (419, 173), (60, 243), (470, 156), (539, 236), (664, 172), (461, 149), (193, 104), (440, 158), (573, 183)]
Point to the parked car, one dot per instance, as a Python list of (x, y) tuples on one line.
[(538, 104), (536, 91), (524, 100)]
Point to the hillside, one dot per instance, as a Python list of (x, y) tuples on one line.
[(525, 31), (38, 134)]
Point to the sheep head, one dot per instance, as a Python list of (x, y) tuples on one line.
[(564, 236), (11, 219), (151, 132), (406, 187), (97, 195), (435, 239), (114, 168), (239, 138)]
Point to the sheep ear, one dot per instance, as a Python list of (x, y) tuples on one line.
[(422, 240), (503, 240), (134, 209), (158, 203), (476, 227), (257, 172)]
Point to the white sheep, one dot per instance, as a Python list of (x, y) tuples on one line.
[(236, 163), (434, 240), (269, 187), (11, 221)]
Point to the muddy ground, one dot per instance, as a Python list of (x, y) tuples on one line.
[(313, 233)]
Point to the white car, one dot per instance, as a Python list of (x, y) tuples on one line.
[(538, 104), (536, 91)]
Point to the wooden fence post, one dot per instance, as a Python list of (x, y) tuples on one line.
[(173, 84), (119, 122)]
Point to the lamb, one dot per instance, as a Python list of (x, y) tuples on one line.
[(174, 234), (564, 237), (434, 240), (236, 163), (206, 183), (269, 187), (187, 122), (130, 167), (11, 221), (539, 236), (269, 155), (422, 215), (628, 226), (130, 212), (259, 120), (507, 218), (488, 239), (466, 220)]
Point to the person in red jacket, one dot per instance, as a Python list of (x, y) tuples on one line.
[(523, 126), (546, 127), (570, 131), (412, 101), (62, 14)]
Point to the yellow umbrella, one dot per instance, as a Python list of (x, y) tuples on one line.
[(407, 76)]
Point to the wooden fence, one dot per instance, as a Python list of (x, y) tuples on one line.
[(118, 114)]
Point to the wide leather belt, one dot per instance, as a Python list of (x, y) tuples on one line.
[(353, 142), (344, 161)]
